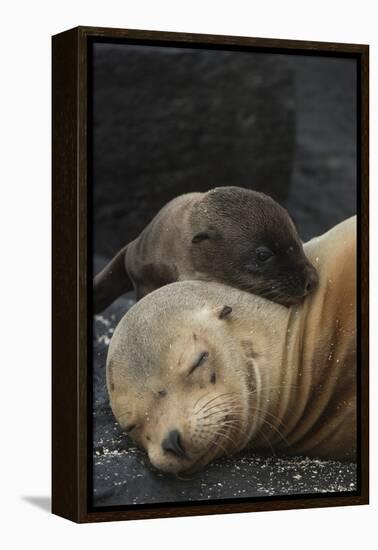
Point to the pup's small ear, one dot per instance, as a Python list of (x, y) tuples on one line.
[(201, 236), (224, 312)]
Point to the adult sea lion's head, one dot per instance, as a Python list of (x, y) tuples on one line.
[(177, 382), (246, 239)]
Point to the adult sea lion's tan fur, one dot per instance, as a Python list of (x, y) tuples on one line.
[(197, 369), (230, 235)]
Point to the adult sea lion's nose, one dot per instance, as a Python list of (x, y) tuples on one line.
[(173, 444)]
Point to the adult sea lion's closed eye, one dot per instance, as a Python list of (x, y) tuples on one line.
[(199, 361)]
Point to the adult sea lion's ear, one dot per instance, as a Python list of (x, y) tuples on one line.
[(201, 236), (224, 312)]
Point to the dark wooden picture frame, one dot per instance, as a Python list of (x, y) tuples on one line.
[(72, 282)]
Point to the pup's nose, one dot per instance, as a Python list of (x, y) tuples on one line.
[(311, 281), (173, 444)]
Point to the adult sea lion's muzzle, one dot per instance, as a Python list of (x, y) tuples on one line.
[(173, 444)]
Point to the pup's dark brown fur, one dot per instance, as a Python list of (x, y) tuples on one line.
[(230, 235)]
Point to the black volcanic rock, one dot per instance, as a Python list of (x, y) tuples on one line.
[(182, 120), (323, 190)]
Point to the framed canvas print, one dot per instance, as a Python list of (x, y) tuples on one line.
[(210, 274)]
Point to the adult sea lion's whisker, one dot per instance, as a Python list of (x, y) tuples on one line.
[(227, 401), (229, 405), (233, 428), (199, 399), (273, 387), (226, 436), (233, 425), (222, 411), (269, 414), (214, 398), (215, 442), (277, 430)]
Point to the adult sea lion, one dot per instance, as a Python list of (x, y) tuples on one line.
[(198, 369), (231, 235)]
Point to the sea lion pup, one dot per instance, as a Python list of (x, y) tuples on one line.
[(231, 235), (199, 369)]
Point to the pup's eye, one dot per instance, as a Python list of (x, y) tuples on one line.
[(200, 360), (263, 254), (203, 236)]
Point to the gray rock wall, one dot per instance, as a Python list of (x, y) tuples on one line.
[(172, 121), (323, 188)]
